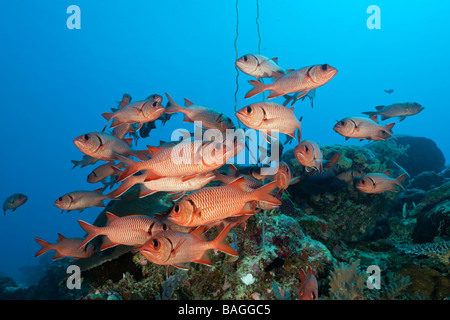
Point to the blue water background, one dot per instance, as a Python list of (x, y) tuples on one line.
[(57, 82)]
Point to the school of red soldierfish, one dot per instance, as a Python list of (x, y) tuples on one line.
[(189, 165)]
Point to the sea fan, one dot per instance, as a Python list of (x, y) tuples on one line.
[(347, 282)]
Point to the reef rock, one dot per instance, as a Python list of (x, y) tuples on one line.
[(432, 214), (347, 212), (422, 155)]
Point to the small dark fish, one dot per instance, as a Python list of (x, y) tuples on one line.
[(389, 91), (146, 128), (14, 201)]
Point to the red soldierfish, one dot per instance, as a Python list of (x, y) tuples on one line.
[(249, 184), (401, 110), (302, 80), (309, 155), (176, 184), (378, 182), (80, 200), (184, 159), (136, 112), (103, 145), (66, 247), (309, 289), (209, 118), (14, 201), (363, 128), (349, 176), (259, 66), (129, 230), (284, 177), (176, 248), (103, 171), (270, 116), (217, 203)]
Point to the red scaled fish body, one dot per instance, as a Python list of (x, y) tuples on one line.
[(401, 110), (80, 200), (270, 116), (128, 230), (102, 146), (208, 117), (216, 203), (301, 80), (309, 155), (176, 248), (378, 182), (66, 247), (136, 112), (183, 159), (174, 184), (309, 289), (259, 66), (363, 128)]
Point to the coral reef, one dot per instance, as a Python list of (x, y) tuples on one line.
[(323, 223)]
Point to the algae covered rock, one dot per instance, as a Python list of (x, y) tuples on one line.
[(348, 212)]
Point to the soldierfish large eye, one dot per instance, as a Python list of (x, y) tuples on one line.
[(342, 122), (324, 67), (154, 104), (164, 227), (362, 181), (60, 199), (86, 137), (249, 110), (176, 209), (245, 58), (155, 243), (306, 148)]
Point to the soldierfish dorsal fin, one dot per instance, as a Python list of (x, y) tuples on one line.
[(379, 107), (277, 75), (390, 126), (110, 217), (188, 103), (387, 173), (60, 238), (374, 118), (275, 59), (239, 183)]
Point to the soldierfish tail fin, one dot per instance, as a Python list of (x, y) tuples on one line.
[(107, 115), (389, 127), (127, 184), (288, 99), (264, 193), (46, 246), (370, 113), (131, 167), (220, 243), (172, 106), (220, 177), (91, 230), (75, 163), (400, 179), (258, 87)]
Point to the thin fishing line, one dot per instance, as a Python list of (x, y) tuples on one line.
[(259, 39), (236, 57)]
